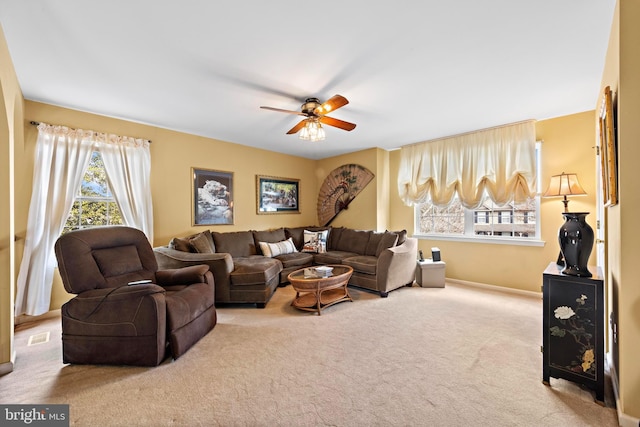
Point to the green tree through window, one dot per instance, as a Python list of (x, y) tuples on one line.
[(94, 204)]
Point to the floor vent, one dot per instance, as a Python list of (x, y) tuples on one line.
[(38, 338)]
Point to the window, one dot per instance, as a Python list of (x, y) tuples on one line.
[(512, 222), (432, 219), (94, 204)]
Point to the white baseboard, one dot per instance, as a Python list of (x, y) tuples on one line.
[(624, 420), (520, 292), (7, 367)]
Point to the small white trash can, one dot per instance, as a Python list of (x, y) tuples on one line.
[(430, 274)]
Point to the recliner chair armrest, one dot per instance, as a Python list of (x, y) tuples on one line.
[(121, 292), (182, 276), (115, 305)]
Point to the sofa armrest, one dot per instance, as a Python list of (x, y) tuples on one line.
[(397, 265), (220, 264), (182, 276), (172, 258)]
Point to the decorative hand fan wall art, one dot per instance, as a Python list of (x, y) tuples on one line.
[(339, 189)]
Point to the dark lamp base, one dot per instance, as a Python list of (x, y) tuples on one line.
[(576, 241)]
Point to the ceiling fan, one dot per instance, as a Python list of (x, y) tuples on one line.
[(316, 113)]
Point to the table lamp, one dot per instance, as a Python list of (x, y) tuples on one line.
[(575, 235)]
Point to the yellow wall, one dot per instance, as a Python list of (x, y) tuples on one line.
[(11, 137), (621, 74), (173, 154), (567, 147), (376, 207)]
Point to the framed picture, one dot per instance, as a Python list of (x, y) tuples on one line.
[(608, 152), (277, 195), (212, 197)]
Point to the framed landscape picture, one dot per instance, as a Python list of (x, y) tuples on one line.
[(212, 197), (608, 150), (277, 195)]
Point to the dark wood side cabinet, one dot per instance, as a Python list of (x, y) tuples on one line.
[(573, 328)]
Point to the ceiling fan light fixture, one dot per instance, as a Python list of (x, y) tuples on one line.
[(312, 130)]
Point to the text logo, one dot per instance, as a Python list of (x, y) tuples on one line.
[(34, 415)]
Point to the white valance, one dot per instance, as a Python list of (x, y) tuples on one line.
[(500, 161)]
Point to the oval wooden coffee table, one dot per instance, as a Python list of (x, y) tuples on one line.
[(315, 292)]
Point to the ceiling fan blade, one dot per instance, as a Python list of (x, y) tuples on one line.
[(337, 123), (280, 110), (332, 104), (297, 127)]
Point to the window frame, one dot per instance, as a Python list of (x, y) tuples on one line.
[(469, 236), (80, 198)]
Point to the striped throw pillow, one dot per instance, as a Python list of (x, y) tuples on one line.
[(280, 248)]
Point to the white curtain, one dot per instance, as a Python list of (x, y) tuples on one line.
[(127, 162), (61, 157), (500, 161)]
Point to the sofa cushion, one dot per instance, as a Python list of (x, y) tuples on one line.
[(378, 242), (334, 237), (202, 243), (362, 263), (254, 270), (372, 244), (333, 257), (272, 250), (236, 243), (387, 241), (353, 241), (296, 259), (269, 236)]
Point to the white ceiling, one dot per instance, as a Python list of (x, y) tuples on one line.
[(412, 70)]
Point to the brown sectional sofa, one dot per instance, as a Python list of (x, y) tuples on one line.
[(382, 261)]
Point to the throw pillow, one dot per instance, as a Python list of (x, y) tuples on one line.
[(315, 241), (180, 244), (201, 244), (280, 248), (402, 236)]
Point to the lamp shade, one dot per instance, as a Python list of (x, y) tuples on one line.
[(565, 184), (312, 130)]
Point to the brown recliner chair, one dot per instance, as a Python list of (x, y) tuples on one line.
[(117, 322)]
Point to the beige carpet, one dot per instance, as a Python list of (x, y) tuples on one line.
[(421, 357)]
